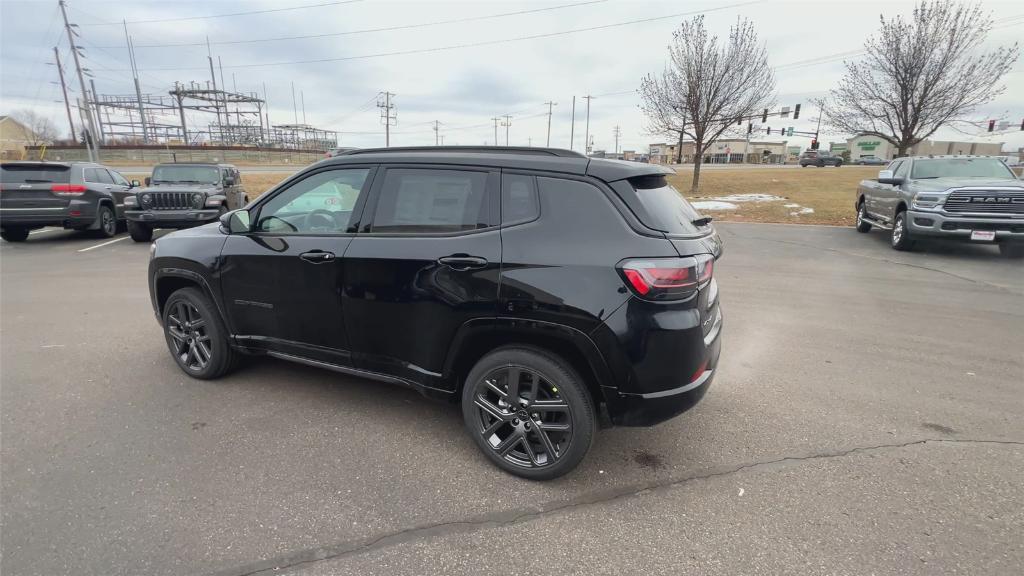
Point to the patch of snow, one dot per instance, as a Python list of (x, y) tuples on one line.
[(791, 205), (804, 210), (748, 198), (713, 205)]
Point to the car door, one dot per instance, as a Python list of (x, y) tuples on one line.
[(894, 192), (120, 188), (877, 200), (282, 281), (426, 260)]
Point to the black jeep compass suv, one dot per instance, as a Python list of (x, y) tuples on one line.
[(532, 285)]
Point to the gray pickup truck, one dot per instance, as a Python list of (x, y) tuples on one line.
[(970, 198), (182, 196)]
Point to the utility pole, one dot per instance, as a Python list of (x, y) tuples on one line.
[(135, 76), (266, 108), (442, 140), (506, 124), (213, 76), (96, 110), (436, 134), (387, 117), (586, 137), (90, 141), (572, 129), (617, 132), (530, 140), (550, 105), (64, 89), (295, 108), (302, 95), (496, 120)]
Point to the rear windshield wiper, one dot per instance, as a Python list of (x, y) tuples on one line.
[(702, 221)]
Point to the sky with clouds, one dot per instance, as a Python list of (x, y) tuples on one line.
[(501, 58)]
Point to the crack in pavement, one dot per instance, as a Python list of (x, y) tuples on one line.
[(497, 520)]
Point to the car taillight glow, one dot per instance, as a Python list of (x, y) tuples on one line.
[(67, 189), (667, 278)]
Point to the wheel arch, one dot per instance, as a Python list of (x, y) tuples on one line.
[(167, 281), (479, 337)]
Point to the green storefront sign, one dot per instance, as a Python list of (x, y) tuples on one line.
[(868, 146)]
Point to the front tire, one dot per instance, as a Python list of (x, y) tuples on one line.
[(862, 224), (14, 234), (195, 335), (901, 233), (107, 221), (529, 412), (1013, 251), (140, 232)]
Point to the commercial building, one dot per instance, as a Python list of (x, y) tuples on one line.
[(866, 145), (14, 138), (725, 151)]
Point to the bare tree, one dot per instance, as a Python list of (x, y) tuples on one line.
[(39, 129), (708, 86), (921, 74)]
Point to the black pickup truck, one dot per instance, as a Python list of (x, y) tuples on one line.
[(182, 196)]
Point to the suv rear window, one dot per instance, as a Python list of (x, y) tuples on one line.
[(666, 208), (34, 173)]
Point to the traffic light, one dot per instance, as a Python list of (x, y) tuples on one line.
[(814, 144), (796, 112), (991, 125), (764, 116), (739, 121), (769, 130), (750, 127)]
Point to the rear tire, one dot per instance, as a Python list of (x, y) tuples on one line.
[(901, 239), (140, 232), (196, 336), (14, 234), (863, 226), (546, 429), (1014, 251)]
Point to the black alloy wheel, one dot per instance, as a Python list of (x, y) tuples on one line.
[(108, 222), (529, 413), (188, 332), (195, 335)]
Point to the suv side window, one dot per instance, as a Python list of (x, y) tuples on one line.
[(426, 200), (319, 204), (518, 199), (91, 175)]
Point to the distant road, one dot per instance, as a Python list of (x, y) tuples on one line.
[(289, 168)]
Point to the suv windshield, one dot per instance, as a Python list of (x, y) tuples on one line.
[(34, 173), (960, 168), (189, 174)]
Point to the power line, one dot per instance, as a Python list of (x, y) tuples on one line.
[(380, 29), (246, 13), (482, 43)]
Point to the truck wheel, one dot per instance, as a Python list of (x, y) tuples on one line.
[(901, 233), (862, 224), (140, 232), (195, 335), (529, 412), (14, 234), (108, 222), (1012, 250)]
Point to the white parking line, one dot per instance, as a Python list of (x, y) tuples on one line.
[(41, 230), (104, 244)]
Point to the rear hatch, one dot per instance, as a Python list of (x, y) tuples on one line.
[(691, 234), (26, 185)]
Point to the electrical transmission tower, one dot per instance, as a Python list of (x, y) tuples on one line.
[(91, 144), (388, 116)]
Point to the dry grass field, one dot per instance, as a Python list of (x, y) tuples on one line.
[(828, 191)]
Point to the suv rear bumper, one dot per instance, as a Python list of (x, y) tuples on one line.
[(173, 218), (77, 214), (924, 223), (663, 361)]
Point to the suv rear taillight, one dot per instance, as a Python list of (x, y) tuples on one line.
[(67, 189), (667, 278)]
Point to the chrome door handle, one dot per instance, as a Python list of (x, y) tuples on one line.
[(462, 262)]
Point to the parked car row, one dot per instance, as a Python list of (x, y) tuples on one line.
[(89, 196), (968, 198)]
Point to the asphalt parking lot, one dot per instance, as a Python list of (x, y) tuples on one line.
[(867, 418)]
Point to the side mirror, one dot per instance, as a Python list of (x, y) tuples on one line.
[(229, 181), (235, 222), (148, 180), (134, 184), (886, 177)]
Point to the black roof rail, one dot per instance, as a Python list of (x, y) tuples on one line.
[(529, 150)]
